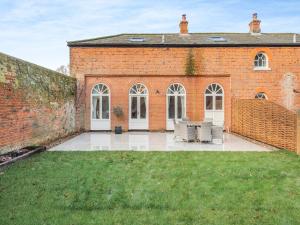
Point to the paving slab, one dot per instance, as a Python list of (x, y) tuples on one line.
[(152, 141)]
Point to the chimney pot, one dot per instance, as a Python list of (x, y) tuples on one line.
[(183, 25), (254, 25), (254, 16)]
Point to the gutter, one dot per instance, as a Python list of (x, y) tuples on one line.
[(161, 45)]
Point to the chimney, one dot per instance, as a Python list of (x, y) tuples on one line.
[(254, 25), (183, 25)]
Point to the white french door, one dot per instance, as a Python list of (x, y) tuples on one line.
[(214, 104), (176, 104), (100, 108), (138, 108)]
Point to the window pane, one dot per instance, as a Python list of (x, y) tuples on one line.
[(143, 108), (180, 107), (105, 107), (264, 63), (133, 107), (207, 91), (219, 102), (171, 107), (260, 95), (96, 107), (209, 102)]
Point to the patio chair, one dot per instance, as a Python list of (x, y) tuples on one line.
[(217, 133), (176, 129), (204, 132), (187, 133)]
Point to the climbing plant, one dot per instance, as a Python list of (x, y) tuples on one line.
[(190, 68)]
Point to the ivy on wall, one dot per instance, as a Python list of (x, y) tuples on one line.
[(190, 68)]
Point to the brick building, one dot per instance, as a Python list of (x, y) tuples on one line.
[(155, 78)]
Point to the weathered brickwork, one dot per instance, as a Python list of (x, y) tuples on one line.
[(37, 105), (157, 68)]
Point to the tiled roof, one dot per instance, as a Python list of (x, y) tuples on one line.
[(193, 39)]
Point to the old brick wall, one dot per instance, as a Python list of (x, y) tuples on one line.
[(237, 62), (37, 105)]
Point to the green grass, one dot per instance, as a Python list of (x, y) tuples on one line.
[(152, 188)]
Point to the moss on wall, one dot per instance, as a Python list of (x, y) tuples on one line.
[(37, 104), (49, 86)]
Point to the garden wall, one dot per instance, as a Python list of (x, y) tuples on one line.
[(267, 122), (37, 105)]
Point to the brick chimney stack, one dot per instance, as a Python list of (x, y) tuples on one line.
[(254, 25), (183, 25)]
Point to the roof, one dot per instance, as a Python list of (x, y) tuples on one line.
[(190, 40)]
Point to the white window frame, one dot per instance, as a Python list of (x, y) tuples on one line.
[(266, 67), (144, 94), (100, 103), (214, 95), (175, 103)]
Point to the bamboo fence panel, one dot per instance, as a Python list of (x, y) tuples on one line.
[(265, 121)]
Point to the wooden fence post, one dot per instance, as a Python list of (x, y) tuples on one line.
[(298, 132)]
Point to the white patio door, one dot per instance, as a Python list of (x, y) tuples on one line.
[(100, 108), (214, 104), (176, 104), (138, 108)]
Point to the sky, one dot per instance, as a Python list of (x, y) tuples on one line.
[(37, 30)]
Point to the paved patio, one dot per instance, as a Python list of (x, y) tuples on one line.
[(150, 141)]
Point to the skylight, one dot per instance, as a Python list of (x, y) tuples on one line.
[(136, 39), (217, 39)]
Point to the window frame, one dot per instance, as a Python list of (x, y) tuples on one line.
[(214, 88), (100, 93), (179, 92), (258, 67), (138, 90)]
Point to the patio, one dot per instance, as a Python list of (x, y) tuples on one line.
[(151, 141)]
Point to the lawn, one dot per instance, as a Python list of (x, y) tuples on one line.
[(70, 188)]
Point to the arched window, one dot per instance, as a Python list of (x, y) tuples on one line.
[(261, 95), (176, 98), (261, 61), (138, 95), (214, 104), (214, 97), (138, 89), (100, 102)]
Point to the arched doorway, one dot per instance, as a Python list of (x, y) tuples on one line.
[(176, 104), (214, 104), (138, 107), (100, 110)]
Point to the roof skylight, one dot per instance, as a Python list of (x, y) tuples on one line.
[(136, 39), (217, 39)]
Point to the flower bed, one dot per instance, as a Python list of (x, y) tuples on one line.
[(10, 157)]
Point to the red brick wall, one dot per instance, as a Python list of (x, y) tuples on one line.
[(156, 67), (37, 105), (157, 87)]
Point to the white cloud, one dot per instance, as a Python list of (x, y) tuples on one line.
[(38, 30)]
